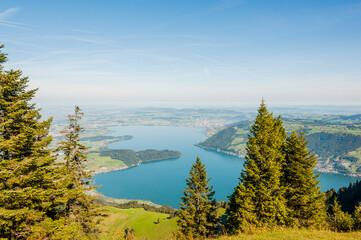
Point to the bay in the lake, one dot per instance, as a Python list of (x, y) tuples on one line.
[(162, 182)]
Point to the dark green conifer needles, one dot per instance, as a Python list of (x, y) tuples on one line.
[(258, 199), (198, 213), (305, 202), (81, 213), (277, 185), (40, 199), (30, 189)]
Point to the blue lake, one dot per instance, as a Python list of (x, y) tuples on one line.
[(162, 182)]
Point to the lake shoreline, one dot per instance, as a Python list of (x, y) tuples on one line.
[(163, 182), (317, 168)]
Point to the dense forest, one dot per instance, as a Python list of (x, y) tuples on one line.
[(101, 138), (333, 145), (349, 197), (132, 158)]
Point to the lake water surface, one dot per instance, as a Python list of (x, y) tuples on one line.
[(162, 182)]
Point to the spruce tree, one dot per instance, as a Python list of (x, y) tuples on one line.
[(258, 199), (356, 215), (305, 202), (338, 220), (30, 189), (82, 214), (198, 213)]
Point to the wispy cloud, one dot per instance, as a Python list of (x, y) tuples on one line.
[(105, 42), (12, 24), (82, 31), (8, 12)]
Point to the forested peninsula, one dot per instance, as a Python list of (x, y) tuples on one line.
[(101, 159)]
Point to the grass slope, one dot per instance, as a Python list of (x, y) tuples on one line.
[(143, 222), (295, 234), (95, 161), (146, 227)]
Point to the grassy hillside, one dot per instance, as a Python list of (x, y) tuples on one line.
[(143, 222), (95, 161), (335, 139), (296, 234), (145, 225), (231, 140)]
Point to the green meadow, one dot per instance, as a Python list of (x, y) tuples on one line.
[(146, 227), (95, 161), (145, 224), (297, 234)]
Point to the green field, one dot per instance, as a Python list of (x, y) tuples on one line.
[(143, 222), (296, 234), (95, 161), (145, 225)]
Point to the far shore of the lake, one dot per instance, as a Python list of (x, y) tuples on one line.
[(318, 168)]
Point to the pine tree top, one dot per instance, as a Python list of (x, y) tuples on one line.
[(3, 57)]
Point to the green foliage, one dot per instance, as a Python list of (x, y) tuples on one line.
[(155, 155), (129, 234), (348, 197), (198, 213), (220, 140), (305, 202), (3, 57), (357, 218), (131, 158), (127, 156), (326, 145), (258, 198), (80, 209), (339, 220), (136, 204), (102, 138), (31, 191)]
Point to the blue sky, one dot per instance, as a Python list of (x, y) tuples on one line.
[(200, 52)]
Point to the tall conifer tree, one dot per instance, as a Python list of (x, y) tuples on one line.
[(82, 214), (198, 213), (30, 190), (305, 202), (258, 199)]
